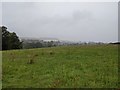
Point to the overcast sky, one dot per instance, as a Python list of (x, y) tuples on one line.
[(76, 21)]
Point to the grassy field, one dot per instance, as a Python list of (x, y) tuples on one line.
[(87, 66)]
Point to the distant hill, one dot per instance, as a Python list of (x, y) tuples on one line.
[(41, 38)]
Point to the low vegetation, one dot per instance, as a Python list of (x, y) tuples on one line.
[(85, 66)]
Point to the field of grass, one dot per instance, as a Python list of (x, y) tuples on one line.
[(87, 66)]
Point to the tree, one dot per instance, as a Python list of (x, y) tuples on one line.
[(5, 38), (50, 44), (10, 40)]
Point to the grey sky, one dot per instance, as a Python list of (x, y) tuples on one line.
[(88, 21), (0, 13)]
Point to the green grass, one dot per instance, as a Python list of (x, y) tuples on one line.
[(87, 66)]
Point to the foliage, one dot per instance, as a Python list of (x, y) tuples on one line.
[(28, 44), (10, 40), (32, 45)]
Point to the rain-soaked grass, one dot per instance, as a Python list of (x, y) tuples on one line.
[(87, 66)]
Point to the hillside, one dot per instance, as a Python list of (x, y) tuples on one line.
[(91, 66)]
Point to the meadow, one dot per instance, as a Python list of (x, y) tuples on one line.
[(84, 66)]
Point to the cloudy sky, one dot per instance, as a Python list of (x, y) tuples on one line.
[(76, 21)]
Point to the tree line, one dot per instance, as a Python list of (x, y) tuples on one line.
[(27, 44), (10, 41)]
